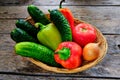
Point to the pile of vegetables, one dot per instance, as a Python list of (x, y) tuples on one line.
[(56, 41)]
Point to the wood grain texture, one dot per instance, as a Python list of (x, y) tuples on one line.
[(77, 2), (104, 14), (104, 18), (84, 12), (17, 77), (56, 2)]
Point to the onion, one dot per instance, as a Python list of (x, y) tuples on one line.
[(91, 51)]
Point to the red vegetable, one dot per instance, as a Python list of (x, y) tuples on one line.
[(68, 15), (68, 54), (84, 33)]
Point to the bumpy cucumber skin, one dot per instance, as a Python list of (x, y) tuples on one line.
[(19, 35), (62, 24), (36, 51), (26, 26), (37, 15)]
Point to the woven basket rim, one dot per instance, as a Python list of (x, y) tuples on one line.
[(79, 69)]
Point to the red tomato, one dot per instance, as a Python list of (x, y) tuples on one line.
[(84, 33)]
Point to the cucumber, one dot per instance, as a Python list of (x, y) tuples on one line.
[(36, 51), (62, 24), (37, 15), (26, 26), (19, 35)]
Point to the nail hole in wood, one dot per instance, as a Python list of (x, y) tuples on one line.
[(119, 46)]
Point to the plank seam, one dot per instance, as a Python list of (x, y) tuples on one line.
[(56, 75)]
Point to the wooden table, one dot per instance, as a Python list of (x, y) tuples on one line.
[(105, 14)]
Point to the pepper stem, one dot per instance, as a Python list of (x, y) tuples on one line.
[(40, 26), (64, 53), (60, 6), (49, 10)]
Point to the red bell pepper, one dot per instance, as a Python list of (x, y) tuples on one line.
[(68, 15), (68, 54)]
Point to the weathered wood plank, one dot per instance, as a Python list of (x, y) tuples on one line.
[(56, 2), (14, 63), (13, 12), (19, 77), (83, 12), (104, 18), (77, 2), (6, 26)]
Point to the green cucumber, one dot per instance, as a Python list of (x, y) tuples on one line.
[(62, 24), (36, 51), (26, 26), (37, 15), (19, 35)]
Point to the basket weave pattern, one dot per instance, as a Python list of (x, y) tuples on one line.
[(86, 65)]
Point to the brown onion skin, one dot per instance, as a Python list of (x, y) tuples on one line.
[(91, 51)]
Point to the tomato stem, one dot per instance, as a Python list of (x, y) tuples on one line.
[(84, 29)]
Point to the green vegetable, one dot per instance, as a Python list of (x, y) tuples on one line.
[(26, 26), (37, 15), (19, 35), (36, 51), (62, 24), (49, 35)]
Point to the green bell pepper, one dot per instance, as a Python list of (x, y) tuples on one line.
[(49, 35)]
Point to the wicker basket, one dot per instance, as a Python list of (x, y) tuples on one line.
[(85, 65)]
